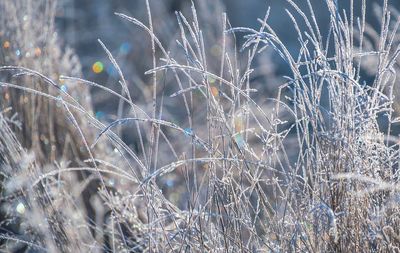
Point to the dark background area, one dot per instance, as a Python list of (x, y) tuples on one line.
[(81, 22)]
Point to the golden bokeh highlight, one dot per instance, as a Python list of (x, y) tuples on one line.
[(98, 67), (6, 44), (38, 52)]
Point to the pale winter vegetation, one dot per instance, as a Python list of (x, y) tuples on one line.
[(229, 156)]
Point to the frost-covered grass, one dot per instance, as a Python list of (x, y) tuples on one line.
[(217, 164)]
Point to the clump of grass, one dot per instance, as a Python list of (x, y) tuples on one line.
[(313, 169), (29, 40)]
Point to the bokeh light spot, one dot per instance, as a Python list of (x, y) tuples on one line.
[(98, 67), (64, 88), (6, 44), (238, 124), (214, 91), (100, 115), (125, 48), (188, 131), (111, 70), (239, 140), (211, 79), (20, 208)]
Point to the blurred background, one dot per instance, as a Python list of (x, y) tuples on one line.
[(81, 22)]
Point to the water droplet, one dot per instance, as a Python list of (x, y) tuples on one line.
[(18, 52)]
